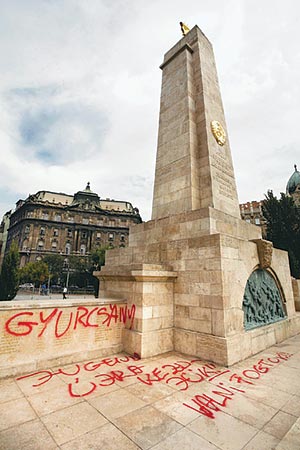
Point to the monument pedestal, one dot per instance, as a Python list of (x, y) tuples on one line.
[(186, 274), (187, 269), (150, 288)]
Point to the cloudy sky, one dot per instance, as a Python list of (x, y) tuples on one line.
[(80, 86)]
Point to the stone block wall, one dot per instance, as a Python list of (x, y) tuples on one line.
[(149, 289), (296, 291), (211, 255), (41, 334)]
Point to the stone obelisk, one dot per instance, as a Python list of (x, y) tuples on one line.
[(185, 271), (193, 170)]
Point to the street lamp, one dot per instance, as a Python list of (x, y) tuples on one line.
[(66, 267), (49, 280)]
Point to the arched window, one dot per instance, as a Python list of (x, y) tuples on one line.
[(68, 248)]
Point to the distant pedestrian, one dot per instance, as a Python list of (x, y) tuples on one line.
[(65, 290)]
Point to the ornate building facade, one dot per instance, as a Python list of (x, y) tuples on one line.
[(4, 225), (251, 212), (55, 223)]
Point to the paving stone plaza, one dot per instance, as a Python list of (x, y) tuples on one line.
[(164, 402)]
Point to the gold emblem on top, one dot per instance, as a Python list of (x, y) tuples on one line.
[(218, 132)]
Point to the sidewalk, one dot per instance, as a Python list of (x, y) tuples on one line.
[(161, 403), (39, 297)]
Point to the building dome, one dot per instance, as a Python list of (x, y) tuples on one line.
[(293, 182)]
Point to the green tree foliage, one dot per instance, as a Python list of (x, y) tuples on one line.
[(283, 227), (34, 272), (55, 265), (98, 258), (82, 268), (9, 279)]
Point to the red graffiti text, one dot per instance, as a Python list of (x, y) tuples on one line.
[(207, 405), (23, 323)]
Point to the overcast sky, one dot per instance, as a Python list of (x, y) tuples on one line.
[(80, 90)]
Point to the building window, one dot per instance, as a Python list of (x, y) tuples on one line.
[(68, 248), (55, 232), (40, 245), (248, 220), (71, 219), (42, 231), (69, 232), (122, 238), (110, 236), (98, 236), (45, 215), (257, 221), (57, 217), (27, 229), (25, 244), (84, 234), (54, 245), (82, 249), (85, 221)]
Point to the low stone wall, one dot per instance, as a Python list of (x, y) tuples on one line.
[(45, 333)]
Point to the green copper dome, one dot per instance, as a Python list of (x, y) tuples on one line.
[(293, 182)]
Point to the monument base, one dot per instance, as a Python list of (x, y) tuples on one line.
[(149, 343), (230, 350), (186, 275)]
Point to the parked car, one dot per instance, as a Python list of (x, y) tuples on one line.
[(26, 286), (74, 288), (56, 288), (90, 288)]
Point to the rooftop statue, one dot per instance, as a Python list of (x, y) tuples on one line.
[(184, 28)]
